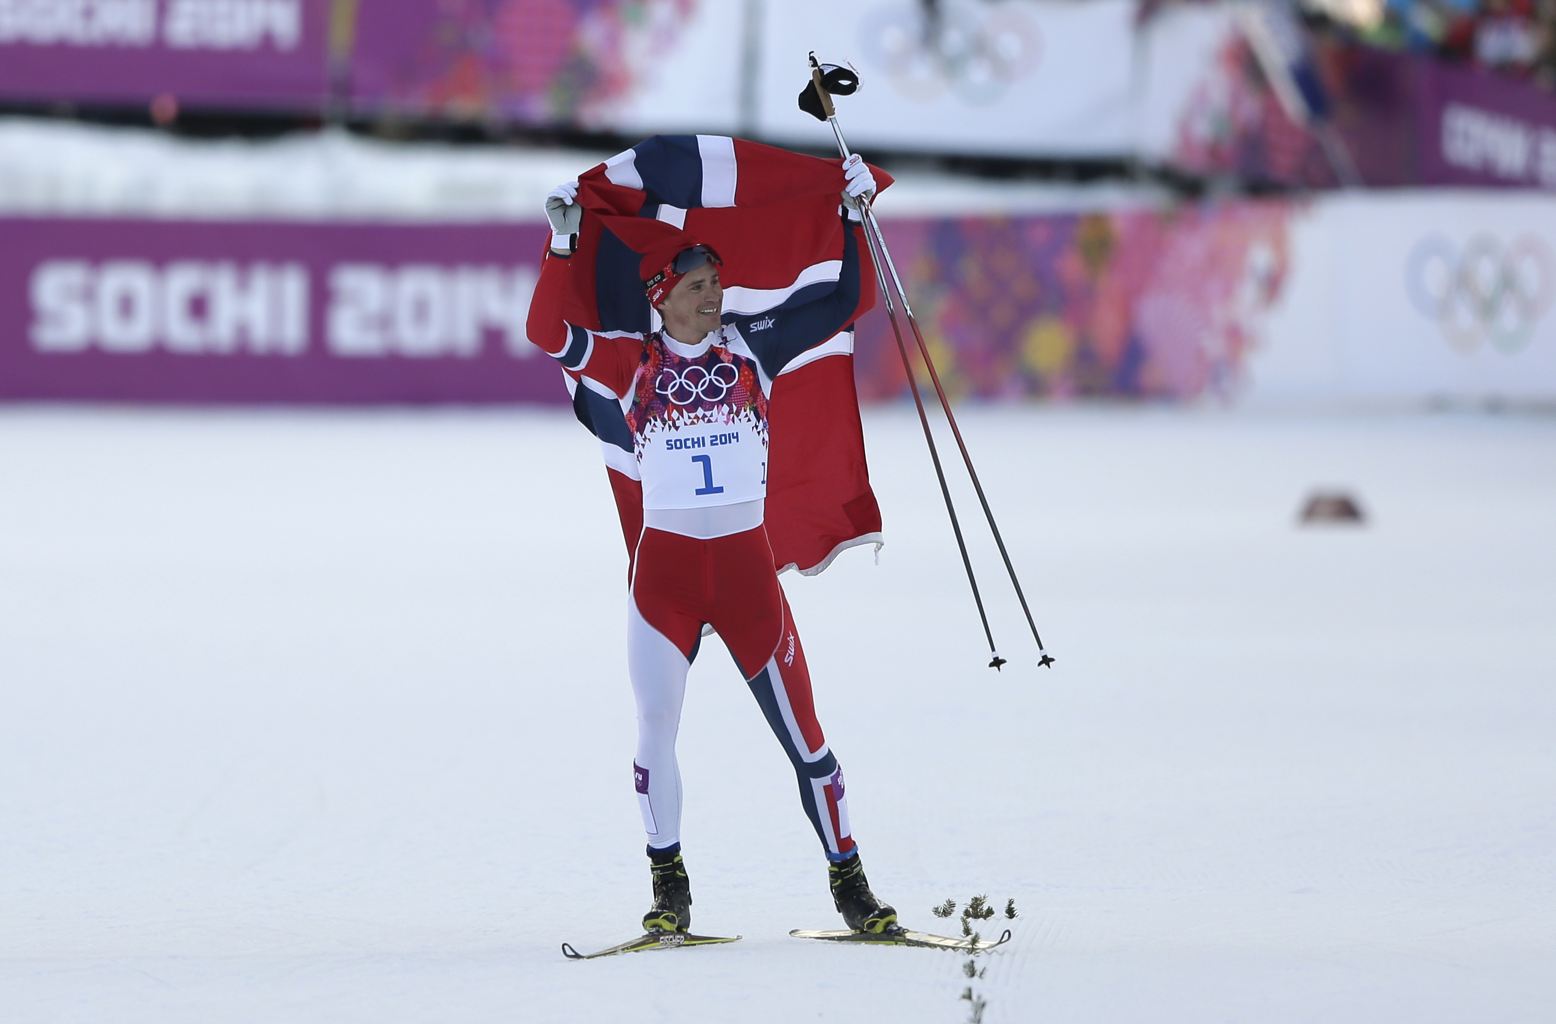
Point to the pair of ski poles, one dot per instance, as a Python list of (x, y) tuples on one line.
[(819, 104)]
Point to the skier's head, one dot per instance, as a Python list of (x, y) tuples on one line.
[(682, 283), (679, 271)]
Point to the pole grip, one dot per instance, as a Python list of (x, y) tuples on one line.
[(821, 89)]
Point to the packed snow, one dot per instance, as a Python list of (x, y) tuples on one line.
[(322, 717)]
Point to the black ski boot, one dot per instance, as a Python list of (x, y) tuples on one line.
[(672, 909), (862, 910)]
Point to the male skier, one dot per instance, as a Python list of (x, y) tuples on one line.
[(695, 398)]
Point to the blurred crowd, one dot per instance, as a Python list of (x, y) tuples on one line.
[(1515, 37)]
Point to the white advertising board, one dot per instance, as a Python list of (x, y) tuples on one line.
[(1018, 77), (1178, 92), (686, 80), (1448, 295)]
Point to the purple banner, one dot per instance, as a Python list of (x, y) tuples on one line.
[(1482, 128), (159, 311), (240, 53)]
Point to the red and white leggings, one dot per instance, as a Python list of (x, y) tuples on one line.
[(678, 584)]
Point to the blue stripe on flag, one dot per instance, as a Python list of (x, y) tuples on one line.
[(618, 290), (809, 293), (801, 297), (671, 169), (572, 356), (602, 417)]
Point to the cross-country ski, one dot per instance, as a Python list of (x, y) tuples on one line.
[(904, 937), (648, 943)]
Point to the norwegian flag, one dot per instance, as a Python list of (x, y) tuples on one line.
[(773, 217)]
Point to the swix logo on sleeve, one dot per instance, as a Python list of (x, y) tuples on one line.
[(762, 325)]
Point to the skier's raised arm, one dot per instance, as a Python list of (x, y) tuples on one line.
[(611, 359), (778, 336)]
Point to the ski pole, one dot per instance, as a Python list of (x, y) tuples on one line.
[(879, 251), (876, 252)]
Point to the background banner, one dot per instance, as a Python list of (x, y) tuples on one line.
[(162, 311), (1404, 297), (1414, 297), (1017, 77), (1129, 304), (1481, 128), (595, 64), (237, 53), (1206, 107)]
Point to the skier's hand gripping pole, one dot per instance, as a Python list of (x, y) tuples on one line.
[(816, 100)]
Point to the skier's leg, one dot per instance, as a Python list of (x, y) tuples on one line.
[(661, 643), (782, 690), (752, 616), (759, 629)]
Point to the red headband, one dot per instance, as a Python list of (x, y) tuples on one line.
[(680, 263)]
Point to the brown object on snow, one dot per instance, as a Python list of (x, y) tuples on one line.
[(1332, 507)]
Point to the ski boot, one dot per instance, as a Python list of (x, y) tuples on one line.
[(672, 909), (862, 910)]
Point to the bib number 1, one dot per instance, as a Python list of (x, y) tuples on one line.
[(707, 476)]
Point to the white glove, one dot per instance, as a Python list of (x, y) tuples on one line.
[(859, 183), (562, 209)]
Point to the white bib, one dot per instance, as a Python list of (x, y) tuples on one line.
[(702, 464)]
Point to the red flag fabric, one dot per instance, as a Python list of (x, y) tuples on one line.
[(773, 217)]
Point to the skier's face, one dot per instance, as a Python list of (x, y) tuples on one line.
[(693, 306)]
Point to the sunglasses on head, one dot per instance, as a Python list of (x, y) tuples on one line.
[(688, 260)]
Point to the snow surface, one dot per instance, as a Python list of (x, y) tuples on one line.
[(321, 717)]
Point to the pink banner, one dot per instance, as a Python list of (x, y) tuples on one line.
[(157, 311), (1133, 304), (573, 62)]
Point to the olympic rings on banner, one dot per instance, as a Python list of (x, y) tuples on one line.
[(1484, 291), (686, 386), (928, 50)]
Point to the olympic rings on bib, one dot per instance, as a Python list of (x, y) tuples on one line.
[(686, 386)]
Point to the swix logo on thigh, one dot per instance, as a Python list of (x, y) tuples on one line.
[(788, 657)]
